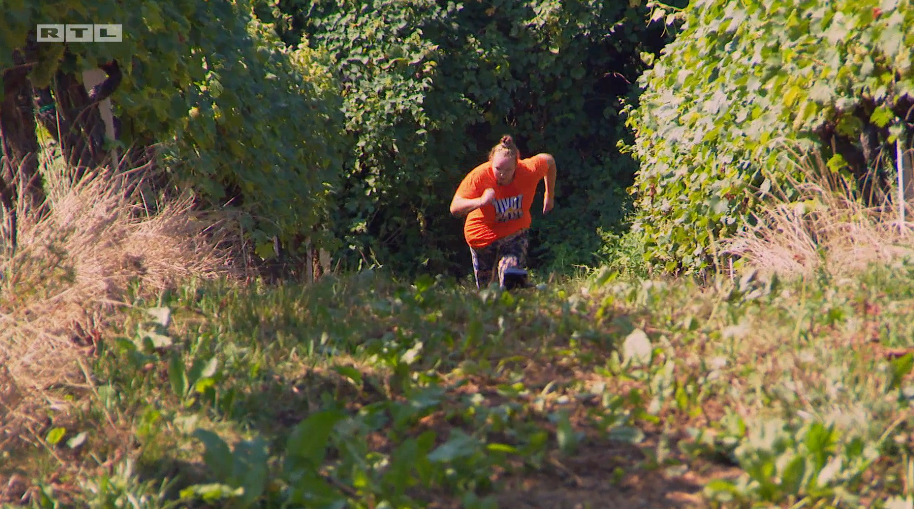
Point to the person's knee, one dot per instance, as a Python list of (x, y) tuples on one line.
[(508, 261)]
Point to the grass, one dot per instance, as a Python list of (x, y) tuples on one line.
[(817, 220), (364, 391), (167, 382), (71, 274)]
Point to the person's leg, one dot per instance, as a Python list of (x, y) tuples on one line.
[(484, 264), (512, 252)]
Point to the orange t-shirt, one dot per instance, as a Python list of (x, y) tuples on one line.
[(510, 212)]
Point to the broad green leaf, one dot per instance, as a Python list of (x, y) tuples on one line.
[(819, 441), (217, 455), (309, 439), (350, 373), (882, 116), (459, 445), (265, 250), (250, 467), (202, 369), (793, 475)]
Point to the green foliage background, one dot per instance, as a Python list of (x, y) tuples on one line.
[(243, 119), (740, 79), (429, 87)]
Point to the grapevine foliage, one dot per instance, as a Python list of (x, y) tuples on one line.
[(828, 75)]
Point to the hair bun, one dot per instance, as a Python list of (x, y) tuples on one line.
[(505, 145)]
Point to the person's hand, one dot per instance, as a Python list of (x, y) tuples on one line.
[(488, 197), (548, 203)]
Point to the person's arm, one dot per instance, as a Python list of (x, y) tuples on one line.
[(549, 195), (461, 206)]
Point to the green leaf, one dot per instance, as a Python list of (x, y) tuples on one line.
[(627, 434), (250, 466), (201, 385), (56, 435), (459, 445), (213, 492), (502, 448), (836, 163), (792, 476), (901, 367), (177, 375), (202, 369), (819, 440), (350, 373), (882, 116), (722, 490), (565, 434), (265, 250), (217, 455), (307, 444)]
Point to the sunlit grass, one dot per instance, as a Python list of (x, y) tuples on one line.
[(427, 392)]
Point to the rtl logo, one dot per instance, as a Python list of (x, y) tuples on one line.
[(80, 33)]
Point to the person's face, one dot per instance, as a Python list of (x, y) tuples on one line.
[(503, 166)]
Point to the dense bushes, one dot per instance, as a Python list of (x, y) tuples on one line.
[(428, 87), (355, 121), (830, 76), (242, 119)]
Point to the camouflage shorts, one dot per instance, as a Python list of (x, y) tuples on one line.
[(510, 251)]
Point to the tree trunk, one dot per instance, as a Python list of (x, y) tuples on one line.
[(19, 174), (8, 208), (19, 168), (71, 114)]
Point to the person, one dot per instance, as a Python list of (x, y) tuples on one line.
[(496, 197)]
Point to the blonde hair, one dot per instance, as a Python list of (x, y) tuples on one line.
[(505, 146)]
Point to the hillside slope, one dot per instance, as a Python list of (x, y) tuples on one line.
[(596, 393)]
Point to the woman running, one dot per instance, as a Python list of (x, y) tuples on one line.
[(496, 197)]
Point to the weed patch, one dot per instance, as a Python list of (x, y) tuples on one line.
[(363, 391)]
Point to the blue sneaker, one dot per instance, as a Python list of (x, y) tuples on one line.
[(516, 278)]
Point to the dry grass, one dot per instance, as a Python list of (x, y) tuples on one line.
[(73, 267), (825, 226)]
